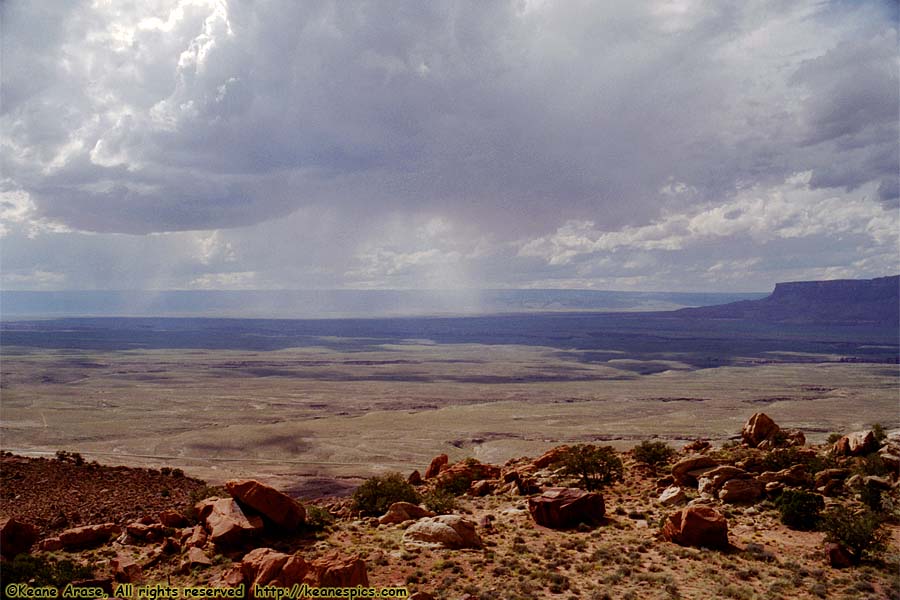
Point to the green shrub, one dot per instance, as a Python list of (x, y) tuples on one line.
[(595, 467), (440, 501), (861, 534), (800, 509), (879, 432), (376, 494), (42, 570), (834, 437), (654, 454), (317, 518)]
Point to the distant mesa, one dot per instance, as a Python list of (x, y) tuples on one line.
[(850, 301)]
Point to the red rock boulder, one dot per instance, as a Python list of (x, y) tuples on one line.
[(563, 508), (275, 506), (16, 536), (700, 526), (265, 566)]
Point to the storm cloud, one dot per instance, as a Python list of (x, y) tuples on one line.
[(668, 144)]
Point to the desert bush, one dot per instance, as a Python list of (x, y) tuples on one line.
[(42, 570), (595, 467), (800, 509), (73, 457), (654, 454), (440, 501), (317, 518), (833, 437), (861, 534), (879, 432), (376, 494)]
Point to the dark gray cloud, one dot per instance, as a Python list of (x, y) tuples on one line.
[(448, 141)]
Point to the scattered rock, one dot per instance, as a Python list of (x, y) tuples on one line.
[(172, 518), (126, 570), (699, 446), (88, 535), (226, 522), (195, 557), (16, 536), (275, 506), (699, 526), (263, 565), (858, 443), (400, 512), (720, 475), (794, 476), (562, 508), (672, 496), (437, 463), (193, 537), (444, 531), (686, 470), (334, 570)]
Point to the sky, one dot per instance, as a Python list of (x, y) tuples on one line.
[(672, 145)]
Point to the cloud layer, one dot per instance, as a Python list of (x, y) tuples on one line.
[(317, 144)]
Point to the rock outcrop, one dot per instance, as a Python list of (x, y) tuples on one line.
[(562, 508), (858, 443), (226, 523), (279, 508), (437, 463)]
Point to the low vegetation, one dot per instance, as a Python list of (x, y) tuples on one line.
[(376, 494)]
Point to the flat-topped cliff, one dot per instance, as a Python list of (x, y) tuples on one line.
[(837, 301)]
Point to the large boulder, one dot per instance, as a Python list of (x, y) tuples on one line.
[(445, 531), (699, 525), (400, 512), (795, 476), (562, 508), (275, 506), (437, 463), (736, 491), (687, 470), (858, 443), (759, 428), (226, 522), (16, 536), (88, 535)]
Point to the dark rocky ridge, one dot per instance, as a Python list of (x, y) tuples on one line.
[(839, 301)]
